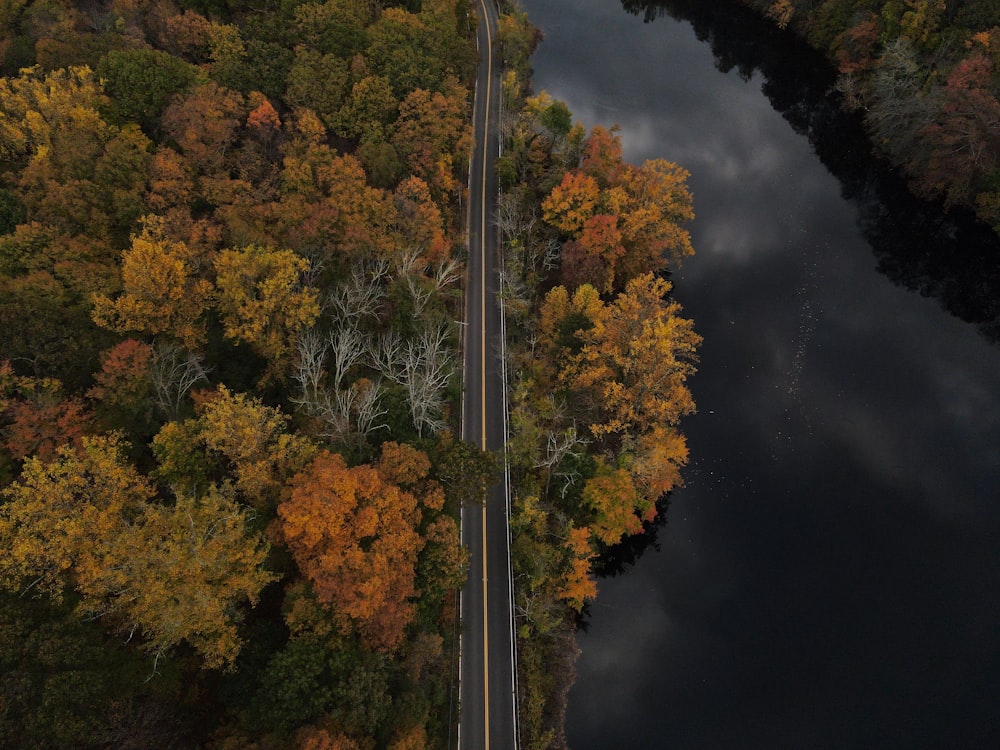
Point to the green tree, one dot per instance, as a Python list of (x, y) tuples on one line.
[(141, 83)]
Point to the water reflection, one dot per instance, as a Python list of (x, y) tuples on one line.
[(948, 256), (829, 577)]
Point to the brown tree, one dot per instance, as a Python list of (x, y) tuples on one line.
[(354, 535)]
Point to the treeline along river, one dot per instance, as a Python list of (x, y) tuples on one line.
[(829, 577)]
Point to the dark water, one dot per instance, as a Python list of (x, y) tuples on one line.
[(830, 575)]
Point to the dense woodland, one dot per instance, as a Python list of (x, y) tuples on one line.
[(230, 264), (925, 74)]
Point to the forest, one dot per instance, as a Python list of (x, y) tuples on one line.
[(925, 76), (231, 261)]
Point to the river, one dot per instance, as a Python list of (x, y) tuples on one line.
[(829, 576)]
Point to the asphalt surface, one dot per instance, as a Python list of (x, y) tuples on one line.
[(488, 704)]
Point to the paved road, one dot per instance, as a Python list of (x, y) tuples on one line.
[(488, 718)]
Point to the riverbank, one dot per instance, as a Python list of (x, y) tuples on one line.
[(926, 79), (599, 372)]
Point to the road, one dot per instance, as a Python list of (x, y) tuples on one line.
[(488, 706)]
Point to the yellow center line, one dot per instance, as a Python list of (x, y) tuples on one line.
[(482, 353)]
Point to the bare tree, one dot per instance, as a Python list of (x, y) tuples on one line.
[(386, 355), (174, 372), (347, 346), (447, 274), (348, 413), (423, 366), (511, 218), (361, 295), (420, 292), (312, 366)]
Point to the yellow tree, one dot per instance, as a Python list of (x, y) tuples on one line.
[(36, 104), (59, 519), (238, 433), (659, 456), (571, 202), (618, 508), (657, 206), (262, 300), (635, 361), (354, 535), (182, 573), (172, 573), (161, 290)]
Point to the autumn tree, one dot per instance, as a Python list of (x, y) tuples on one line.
[(237, 435), (123, 388), (602, 156), (592, 257), (262, 299), (39, 426), (36, 104), (421, 224), (577, 583), (173, 573), (659, 456), (572, 202), (434, 138), (185, 571), (964, 137), (84, 175), (620, 220), (617, 507), (635, 360), (162, 292), (657, 205), (38, 416), (204, 123), (354, 535)]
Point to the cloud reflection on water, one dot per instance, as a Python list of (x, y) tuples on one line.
[(828, 577)]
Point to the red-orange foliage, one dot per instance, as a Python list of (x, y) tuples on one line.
[(124, 373), (620, 221), (204, 124), (592, 257), (354, 535), (39, 428), (420, 221), (312, 738), (434, 137), (577, 585), (964, 138), (264, 120), (602, 156)]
